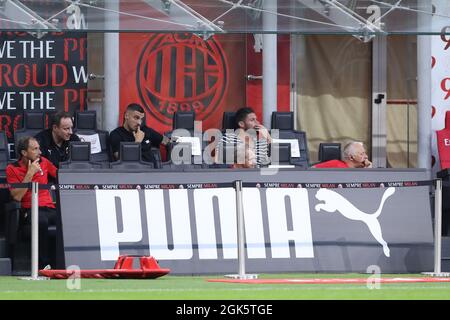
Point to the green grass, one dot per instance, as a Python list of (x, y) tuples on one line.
[(189, 288)]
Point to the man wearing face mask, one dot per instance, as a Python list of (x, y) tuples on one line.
[(354, 156)]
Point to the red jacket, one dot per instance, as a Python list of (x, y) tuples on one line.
[(15, 173), (332, 164)]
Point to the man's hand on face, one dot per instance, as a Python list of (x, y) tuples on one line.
[(367, 164), (139, 135), (262, 131), (34, 167)]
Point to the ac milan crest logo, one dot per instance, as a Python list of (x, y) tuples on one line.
[(181, 72)]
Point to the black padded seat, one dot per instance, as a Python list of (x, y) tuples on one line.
[(329, 151)]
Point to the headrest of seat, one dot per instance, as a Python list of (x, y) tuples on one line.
[(80, 151), (86, 120), (282, 120), (183, 120), (33, 120), (228, 120), (3, 141), (130, 151), (329, 151), (283, 150)]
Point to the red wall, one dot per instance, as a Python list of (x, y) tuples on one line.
[(169, 72)]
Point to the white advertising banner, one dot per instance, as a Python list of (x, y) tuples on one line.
[(294, 221)]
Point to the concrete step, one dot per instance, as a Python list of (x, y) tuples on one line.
[(445, 244), (22, 257), (445, 265), (3, 248), (22, 265), (5, 267), (445, 254)]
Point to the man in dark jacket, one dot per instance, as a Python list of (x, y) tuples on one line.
[(54, 142), (133, 131)]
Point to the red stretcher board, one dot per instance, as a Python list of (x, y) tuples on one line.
[(123, 269)]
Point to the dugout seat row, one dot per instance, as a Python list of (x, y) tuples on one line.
[(32, 123), (80, 157), (85, 126), (283, 122)]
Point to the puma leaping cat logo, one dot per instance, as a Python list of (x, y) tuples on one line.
[(333, 201)]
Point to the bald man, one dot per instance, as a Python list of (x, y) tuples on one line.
[(353, 156)]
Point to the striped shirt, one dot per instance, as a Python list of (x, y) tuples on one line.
[(261, 147)]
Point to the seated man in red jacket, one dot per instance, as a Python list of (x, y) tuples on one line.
[(354, 156), (31, 167)]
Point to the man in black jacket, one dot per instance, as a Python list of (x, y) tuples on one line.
[(133, 131), (54, 142)]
